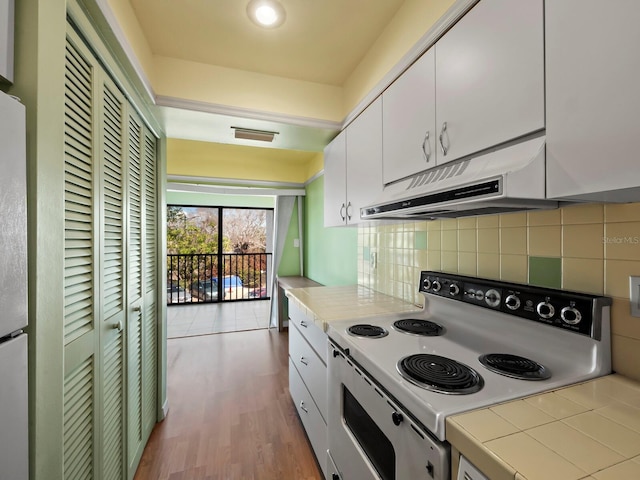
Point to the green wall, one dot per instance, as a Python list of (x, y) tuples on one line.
[(330, 254), (290, 262)]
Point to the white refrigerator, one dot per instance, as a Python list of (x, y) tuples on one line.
[(14, 425)]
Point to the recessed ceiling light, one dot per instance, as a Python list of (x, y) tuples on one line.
[(266, 13)]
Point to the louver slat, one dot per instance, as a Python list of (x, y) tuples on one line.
[(135, 384), (78, 422), (150, 212), (135, 202), (150, 372), (113, 410), (113, 257), (78, 275)]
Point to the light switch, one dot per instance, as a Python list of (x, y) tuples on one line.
[(634, 295), (373, 260), (296, 243)]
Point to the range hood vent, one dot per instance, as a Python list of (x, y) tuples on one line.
[(506, 180)]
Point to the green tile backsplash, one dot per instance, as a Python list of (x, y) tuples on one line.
[(545, 272), (420, 240)]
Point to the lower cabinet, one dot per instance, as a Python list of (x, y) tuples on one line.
[(312, 421), (308, 380)]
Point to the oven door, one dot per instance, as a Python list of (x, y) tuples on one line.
[(370, 435)]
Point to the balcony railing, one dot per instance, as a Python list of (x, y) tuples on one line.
[(212, 277)]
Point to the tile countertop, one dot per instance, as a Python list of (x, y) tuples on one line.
[(586, 431), (329, 304)]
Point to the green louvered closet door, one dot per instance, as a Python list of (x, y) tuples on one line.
[(142, 327), (81, 340), (150, 328), (112, 286), (110, 389)]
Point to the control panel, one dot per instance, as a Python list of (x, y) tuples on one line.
[(577, 312)]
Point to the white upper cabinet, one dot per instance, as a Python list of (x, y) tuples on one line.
[(353, 168), (335, 181), (364, 160), (409, 121), (490, 77), (593, 99)]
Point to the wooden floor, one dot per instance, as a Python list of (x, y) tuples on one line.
[(230, 413)]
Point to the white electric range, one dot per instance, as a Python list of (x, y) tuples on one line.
[(394, 379)]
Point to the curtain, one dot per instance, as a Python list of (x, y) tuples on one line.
[(283, 213)]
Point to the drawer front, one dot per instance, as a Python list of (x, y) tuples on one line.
[(310, 367), (314, 334), (311, 419)]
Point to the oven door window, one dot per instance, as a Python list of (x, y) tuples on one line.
[(372, 440)]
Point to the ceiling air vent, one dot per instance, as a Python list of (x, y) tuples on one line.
[(251, 134)]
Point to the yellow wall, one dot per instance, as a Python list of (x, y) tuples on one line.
[(315, 165), (253, 91), (409, 24), (205, 159), (588, 248), (131, 28)]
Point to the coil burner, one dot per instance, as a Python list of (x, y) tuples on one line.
[(367, 331), (514, 366), (440, 374)]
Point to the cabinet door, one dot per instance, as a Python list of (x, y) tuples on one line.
[(335, 181), (490, 77), (593, 102), (364, 160), (408, 119)]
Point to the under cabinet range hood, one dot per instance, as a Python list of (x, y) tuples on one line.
[(506, 180)]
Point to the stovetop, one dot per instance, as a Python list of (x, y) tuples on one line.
[(469, 331)]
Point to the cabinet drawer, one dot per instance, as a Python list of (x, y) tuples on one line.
[(310, 367), (311, 419), (310, 331)]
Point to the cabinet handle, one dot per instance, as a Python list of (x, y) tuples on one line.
[(442, 133), (303, 361), (341, 210), (303, 407), (303, 323), (425, 142), (117, 326), (348, 207)]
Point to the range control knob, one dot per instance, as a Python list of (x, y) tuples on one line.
[(545, 310), (570, 315), (426, 284), (492, 297), (512, 302), (397, 418), (436, 286), (454, 289)]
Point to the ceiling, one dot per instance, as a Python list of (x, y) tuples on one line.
[(321, 41)]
